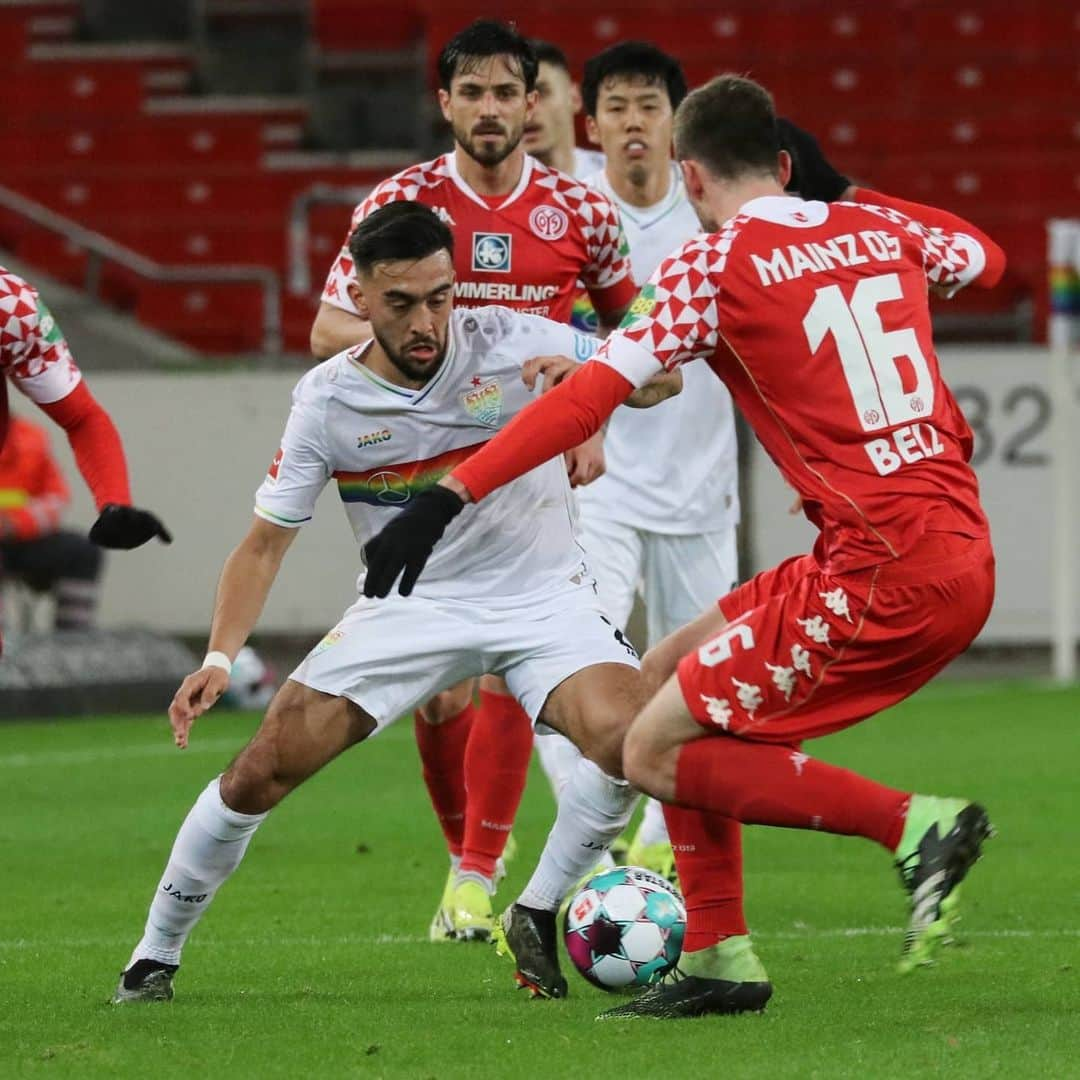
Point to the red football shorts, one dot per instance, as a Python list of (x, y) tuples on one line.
[(806, 652)]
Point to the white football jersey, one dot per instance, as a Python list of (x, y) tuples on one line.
[(382, 444), (587, 162), (673, 468)]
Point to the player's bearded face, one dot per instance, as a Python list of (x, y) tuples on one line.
[(409, 304), (487, 108)]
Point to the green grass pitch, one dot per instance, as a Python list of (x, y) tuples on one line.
[(313, 959)]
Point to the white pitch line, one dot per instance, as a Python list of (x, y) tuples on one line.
[(409, 939), (108, 753)]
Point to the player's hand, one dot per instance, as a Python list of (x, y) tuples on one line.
[(552, 369), (197, 693), (812, 175), (585, 463), (126, 527), (405, 544)]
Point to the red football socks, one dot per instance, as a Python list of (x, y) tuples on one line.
[(768, 784), (708, 856), (442, 754), (496, 764)]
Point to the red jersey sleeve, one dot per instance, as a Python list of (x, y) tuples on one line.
[(606, 277), (33, 352), (675, 318), (955, 252)]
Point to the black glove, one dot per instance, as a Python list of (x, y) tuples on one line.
[(812, 176), (408, 541), (125, 527)]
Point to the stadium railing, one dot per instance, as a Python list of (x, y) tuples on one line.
[(299, 275), (101, 250)]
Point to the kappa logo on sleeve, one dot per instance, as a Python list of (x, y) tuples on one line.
[(491, 252)]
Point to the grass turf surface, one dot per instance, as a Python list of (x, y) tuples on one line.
[(314, 959)]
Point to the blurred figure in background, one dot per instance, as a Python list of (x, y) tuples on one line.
[(34, 549), (549, 132)]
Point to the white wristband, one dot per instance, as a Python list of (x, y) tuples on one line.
[(218, 659)]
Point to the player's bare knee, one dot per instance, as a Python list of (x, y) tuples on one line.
[(446, 705), (647, 764)]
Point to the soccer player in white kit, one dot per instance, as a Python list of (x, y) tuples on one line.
[(510, 591), (647, 526)]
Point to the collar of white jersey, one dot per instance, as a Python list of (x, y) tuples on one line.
[(459, 182), (786, 210), (643, 216), (402, 393)]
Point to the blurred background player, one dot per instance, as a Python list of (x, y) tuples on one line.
[(37, 360), (901, 578), (549, 132), (34, 549), (662, 519), (526, 235)]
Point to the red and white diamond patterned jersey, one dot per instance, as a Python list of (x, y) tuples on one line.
[(33, 352), (816, 318), (525, 250)]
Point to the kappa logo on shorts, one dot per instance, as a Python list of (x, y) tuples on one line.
[(491, 252)]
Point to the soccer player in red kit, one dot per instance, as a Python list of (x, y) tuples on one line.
[(37, 360), (815, 316), (525, 235)]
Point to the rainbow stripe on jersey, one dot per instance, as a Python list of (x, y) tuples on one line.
[(395, 485)]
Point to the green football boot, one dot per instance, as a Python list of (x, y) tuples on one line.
[(659, 858), (723, 979), (442, 926), (942, 840), (469, 907)]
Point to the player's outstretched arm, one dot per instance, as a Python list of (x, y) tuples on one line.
[(553, 370), (245, 583), (335, 330), (99, 455)]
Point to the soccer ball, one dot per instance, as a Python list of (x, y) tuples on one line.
[(625, 928), (251, 683)]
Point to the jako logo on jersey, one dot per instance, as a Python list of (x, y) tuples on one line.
[(548, 222), (484, 403), (505, 291), (491, 252), (373, 438)]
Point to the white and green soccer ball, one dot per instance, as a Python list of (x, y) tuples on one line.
[(625, 928)]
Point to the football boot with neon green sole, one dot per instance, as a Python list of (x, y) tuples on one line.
[(442, 926), (723, 979), (659, 858), (941, 842), (470, 911)]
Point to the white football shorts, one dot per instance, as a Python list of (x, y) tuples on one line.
[(388, 656), (679, 577)]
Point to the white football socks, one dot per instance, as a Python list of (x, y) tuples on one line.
[(558, 758), (653, 829), (208, 848), (593, 810)]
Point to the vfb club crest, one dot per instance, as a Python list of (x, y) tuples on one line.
[(484, 403), (549, 222)]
